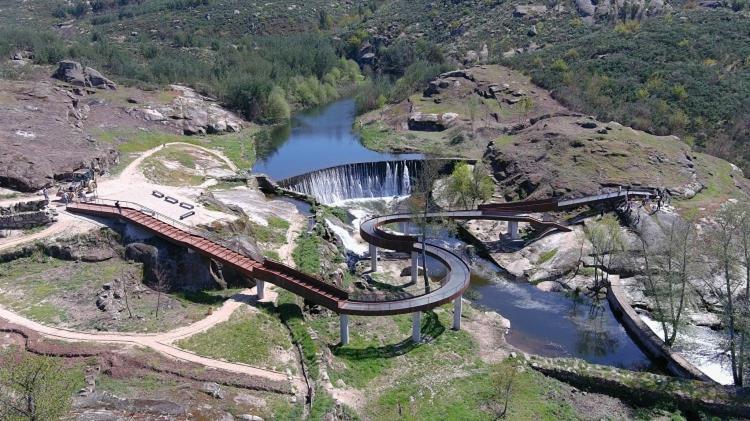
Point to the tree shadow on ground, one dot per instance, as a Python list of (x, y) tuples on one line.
[(431, 329), (202, 297)]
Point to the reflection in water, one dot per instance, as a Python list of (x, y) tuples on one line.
[(556, 324), (593, 336), (316, 139)]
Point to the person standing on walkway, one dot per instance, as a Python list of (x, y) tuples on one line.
[(46, 195)]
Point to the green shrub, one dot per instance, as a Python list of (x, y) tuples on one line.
[(306, 254)]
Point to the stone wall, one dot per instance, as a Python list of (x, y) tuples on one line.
[(642, 388), (25, 215), (656, 349)]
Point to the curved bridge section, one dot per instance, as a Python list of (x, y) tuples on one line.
[(316, 290)]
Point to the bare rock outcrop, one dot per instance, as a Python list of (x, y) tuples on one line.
[(192, 113), (74, 73)]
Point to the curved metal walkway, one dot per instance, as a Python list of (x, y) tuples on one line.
[(330, 296)]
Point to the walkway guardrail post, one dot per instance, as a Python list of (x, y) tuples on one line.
[(414, 267)]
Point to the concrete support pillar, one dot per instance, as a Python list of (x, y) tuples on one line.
[(414, 266), (374, 257), (416, 326), (344, 326), (260, 287), (513, 230), (457, 304)]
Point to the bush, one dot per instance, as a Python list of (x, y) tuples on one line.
[(306, 254)]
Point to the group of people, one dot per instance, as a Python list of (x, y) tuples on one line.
[(66, 196)]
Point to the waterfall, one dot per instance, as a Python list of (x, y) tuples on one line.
[(356, 181)]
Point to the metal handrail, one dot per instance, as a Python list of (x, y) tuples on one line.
[(170, 221)]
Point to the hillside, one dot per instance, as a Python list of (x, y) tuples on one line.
[(536, 147), (681, 70)]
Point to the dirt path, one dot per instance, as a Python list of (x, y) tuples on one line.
[(297, 224), (130, 184), (162, 342), (66, 225)]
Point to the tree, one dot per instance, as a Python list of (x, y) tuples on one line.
[(526, 105), (666, 278), (729, 248), (503, 378), (606, 241), (468, 187), (161, 283), (34, 387), (420, 205)]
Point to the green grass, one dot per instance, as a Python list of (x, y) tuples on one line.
[(272, 254), (159, 173), (147, 382), (306, 253), (49, 290), (37, 279), (238, 147), (468, 398), (375, 136), (546, 256), (291, 314), (250, 336)]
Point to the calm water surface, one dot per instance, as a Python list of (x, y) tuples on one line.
[(316, 139)]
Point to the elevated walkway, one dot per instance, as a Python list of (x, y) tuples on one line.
[(316, 290)]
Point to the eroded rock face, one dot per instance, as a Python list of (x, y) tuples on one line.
[(74, 73), (192, 113), (572, 155), (604, 10), (428, 122), (43, 134), (529, 10)]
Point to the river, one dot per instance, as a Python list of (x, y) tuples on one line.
[(544, 323)]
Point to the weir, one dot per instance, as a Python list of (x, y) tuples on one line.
[(356, 181)]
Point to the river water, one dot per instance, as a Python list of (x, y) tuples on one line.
[(320, 138), (544, 323)]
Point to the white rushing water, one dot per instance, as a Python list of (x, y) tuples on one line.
[(361, 209), (370, 180), (701, 346), (347, 238)]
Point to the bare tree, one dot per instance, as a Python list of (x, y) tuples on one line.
[(161, 283), (606, 241), (125, 291), (667, 273), (729, 241), (503, 379), (420, 205)]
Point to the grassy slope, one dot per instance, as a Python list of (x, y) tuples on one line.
[(250, 337), (238, 147), (31, 285)]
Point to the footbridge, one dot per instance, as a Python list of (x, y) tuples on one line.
[(373, 231)]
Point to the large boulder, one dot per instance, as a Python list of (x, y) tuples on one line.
[(429, 122), (74, 73), (528, 10)]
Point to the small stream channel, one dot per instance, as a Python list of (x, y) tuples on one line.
[(544, 323)]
